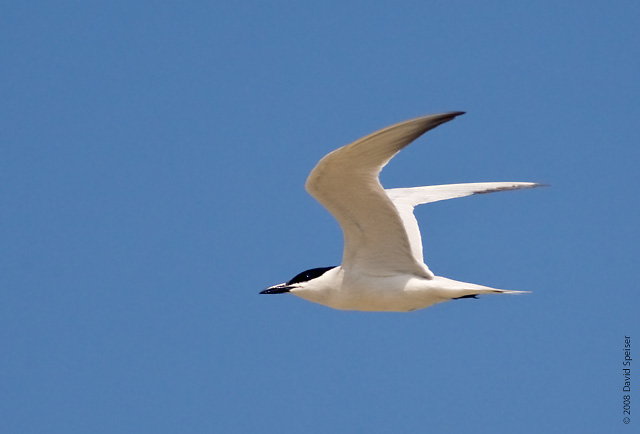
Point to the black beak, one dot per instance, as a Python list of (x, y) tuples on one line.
[(277, 289)]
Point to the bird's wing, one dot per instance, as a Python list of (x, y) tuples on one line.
[(405, 199), (346, 183)]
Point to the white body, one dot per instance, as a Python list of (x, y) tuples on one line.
[(382, 267), (341, 289)]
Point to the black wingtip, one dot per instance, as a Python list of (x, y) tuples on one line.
[(433, 121), (446, 117)]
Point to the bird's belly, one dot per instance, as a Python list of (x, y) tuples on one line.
[(391, 294)]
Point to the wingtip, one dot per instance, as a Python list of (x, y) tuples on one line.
[(534, 185), (451, 115), (441, 118)]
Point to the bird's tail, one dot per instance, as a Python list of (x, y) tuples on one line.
[(455, 289)]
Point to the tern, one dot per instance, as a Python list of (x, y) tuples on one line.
[(382, 265)]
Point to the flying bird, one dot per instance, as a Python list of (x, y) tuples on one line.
[(382, 265)]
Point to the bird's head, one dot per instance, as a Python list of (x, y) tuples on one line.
[(299, 281)]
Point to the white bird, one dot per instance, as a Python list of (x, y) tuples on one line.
[(382, 266)]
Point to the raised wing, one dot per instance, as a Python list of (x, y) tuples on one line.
[(346, 183), (406, 199)]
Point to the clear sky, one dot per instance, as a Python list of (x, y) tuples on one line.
[(152, 168)]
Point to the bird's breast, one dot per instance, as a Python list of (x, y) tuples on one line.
[(365, 292)]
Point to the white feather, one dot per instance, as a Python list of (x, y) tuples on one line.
[(346, 183), (406, 199)]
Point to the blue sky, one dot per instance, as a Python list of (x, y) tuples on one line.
[(152, 183)]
